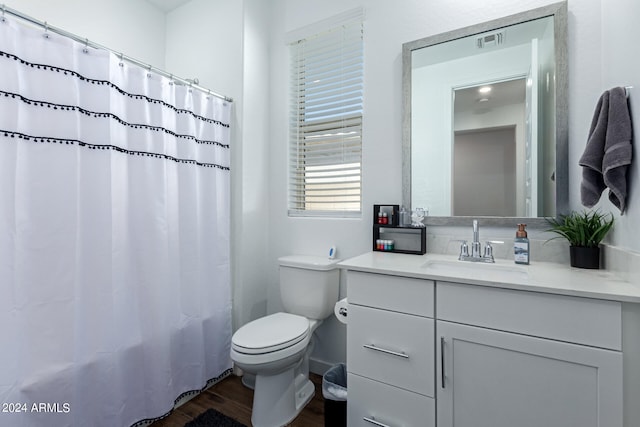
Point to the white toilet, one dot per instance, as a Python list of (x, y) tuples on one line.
[(276, 348)]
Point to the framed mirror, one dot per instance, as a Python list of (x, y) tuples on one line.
[(485, 121)]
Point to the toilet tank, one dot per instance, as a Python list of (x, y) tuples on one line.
[(309, 285)]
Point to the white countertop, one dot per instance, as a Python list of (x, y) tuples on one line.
[(539, 277)]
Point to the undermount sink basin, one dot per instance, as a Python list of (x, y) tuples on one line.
[(477, 269)]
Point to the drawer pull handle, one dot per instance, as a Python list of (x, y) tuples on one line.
[(442, 361), (374, 422), (383, 350)]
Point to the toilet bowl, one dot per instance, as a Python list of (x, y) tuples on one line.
[(276, 348), (279, 362)]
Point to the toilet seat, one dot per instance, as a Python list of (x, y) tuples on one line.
[(270, 334)]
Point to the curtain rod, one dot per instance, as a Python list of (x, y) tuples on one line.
[(191, 83)]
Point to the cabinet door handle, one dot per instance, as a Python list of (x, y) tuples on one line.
[(384, 350), (442, 361), (374, 422)]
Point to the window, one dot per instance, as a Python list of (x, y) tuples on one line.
[(326, 122)]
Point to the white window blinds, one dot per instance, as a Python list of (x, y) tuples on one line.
[(326, 122)]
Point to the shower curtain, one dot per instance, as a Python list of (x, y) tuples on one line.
[(114, 235)]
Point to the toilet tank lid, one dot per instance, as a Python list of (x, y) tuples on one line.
[(309, 262)]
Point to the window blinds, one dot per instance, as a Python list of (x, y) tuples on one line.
[(326, 123)]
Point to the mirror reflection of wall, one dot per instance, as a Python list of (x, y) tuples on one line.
[(489, 149), (517, 62), (484, 172)]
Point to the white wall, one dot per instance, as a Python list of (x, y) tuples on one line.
[(132, 27), (619, 66), (508, 115), (485, 163), (601, 35), (252, 263), (204, 40)]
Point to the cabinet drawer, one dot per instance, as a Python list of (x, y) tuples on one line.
[(387, 405), (392, 348), (572, 319), (403, 294)]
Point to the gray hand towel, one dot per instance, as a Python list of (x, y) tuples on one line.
[(608, 153), (592, 184)]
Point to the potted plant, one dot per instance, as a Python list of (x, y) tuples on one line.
[(584, 231)]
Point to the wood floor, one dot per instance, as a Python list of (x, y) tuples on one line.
[(234, 400)]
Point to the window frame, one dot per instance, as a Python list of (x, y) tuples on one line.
[(325, 121)]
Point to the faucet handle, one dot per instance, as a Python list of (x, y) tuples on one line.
[(464, 250), (488, 250)]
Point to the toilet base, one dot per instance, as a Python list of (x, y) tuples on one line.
[(279, 398), (249, 380), (281, 387)]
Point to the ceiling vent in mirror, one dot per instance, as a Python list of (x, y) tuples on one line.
[(493, 39)]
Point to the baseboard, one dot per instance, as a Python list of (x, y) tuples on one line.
[(318, 366)]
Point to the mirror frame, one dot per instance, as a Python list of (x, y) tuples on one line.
[(559, 13)]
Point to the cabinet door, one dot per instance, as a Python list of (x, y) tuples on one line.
[(489, 378)]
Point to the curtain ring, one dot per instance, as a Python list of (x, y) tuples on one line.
[(4, 9), (149, 71), (86, 46), (121, 57), (46, 30)]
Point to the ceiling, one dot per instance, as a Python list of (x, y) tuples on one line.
[(502, 93), (168, 5)]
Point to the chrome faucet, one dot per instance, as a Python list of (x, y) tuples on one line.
[(475, 245), (477, 255)]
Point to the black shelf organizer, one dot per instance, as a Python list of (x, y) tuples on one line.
[(406, 240)]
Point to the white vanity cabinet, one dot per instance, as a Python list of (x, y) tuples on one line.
[(390, 351), (512, 358), (437, 353)]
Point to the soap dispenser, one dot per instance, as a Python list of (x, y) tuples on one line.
[(521, 245)]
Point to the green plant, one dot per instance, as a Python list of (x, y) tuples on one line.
[(586, 229)]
